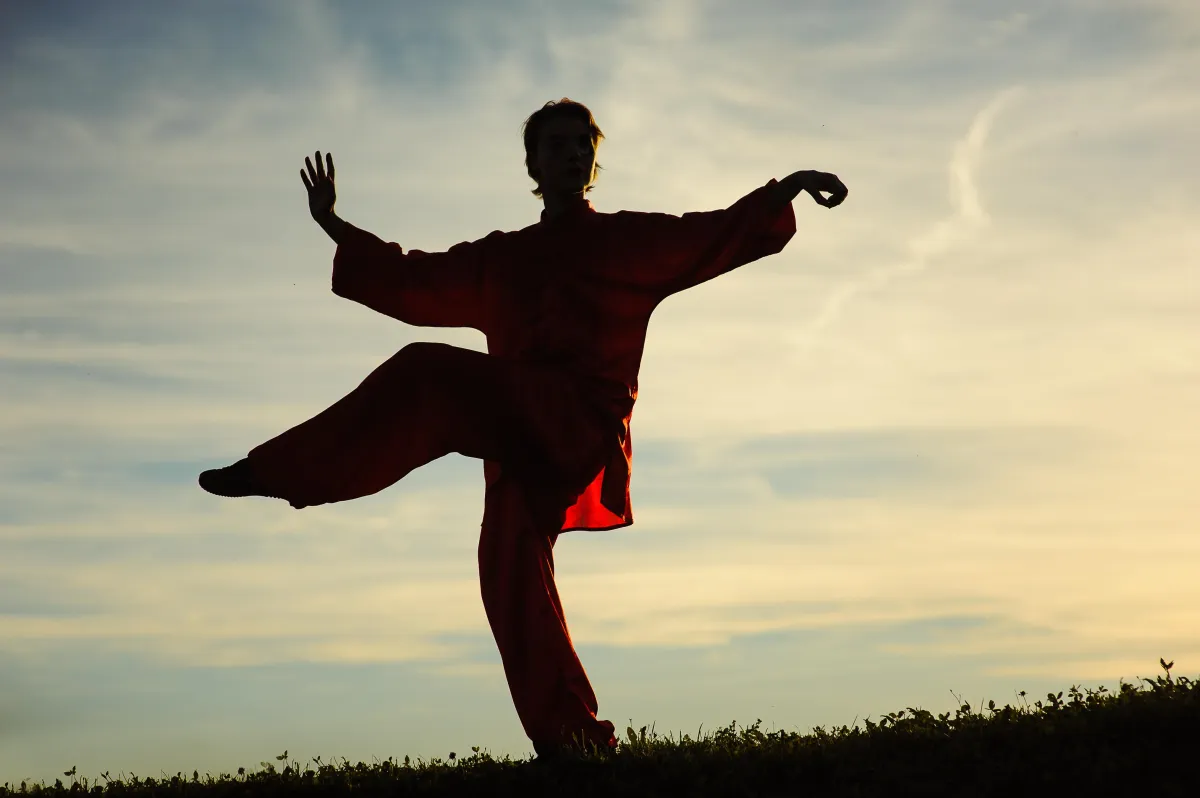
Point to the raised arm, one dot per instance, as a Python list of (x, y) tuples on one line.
[(428, 289), (441, 289)]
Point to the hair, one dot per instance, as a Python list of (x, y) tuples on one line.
[(532, 129)]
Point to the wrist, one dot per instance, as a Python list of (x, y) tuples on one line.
[(788, 188), (333, 225), (798, 181)]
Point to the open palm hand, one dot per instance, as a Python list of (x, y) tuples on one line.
[(319, 182)]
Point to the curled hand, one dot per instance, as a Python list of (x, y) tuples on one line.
[(820, 183)]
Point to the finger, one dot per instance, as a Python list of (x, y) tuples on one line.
[(320, 167), (329, 158), (304, 177), (312, 173)]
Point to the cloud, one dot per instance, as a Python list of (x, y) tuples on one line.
[(993, 440), (968, 218)]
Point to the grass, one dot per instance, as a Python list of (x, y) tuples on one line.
[(1131, 742)]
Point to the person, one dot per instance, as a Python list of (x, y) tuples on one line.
[(564, 304)]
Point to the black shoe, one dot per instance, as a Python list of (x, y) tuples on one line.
[(551, 752), (232, 481)]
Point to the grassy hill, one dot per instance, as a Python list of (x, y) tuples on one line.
[(1131, 742)]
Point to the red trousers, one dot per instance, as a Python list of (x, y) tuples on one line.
[(542, 444)]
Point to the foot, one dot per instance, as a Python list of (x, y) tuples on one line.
[(232, 481), (551, 752)]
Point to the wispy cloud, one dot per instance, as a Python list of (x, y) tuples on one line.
[(968, 218)]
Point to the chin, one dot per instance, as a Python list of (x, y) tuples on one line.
[(571, 186)]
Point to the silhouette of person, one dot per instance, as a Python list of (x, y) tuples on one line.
[(564, 304)]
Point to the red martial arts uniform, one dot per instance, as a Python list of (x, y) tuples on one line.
[(564, 304)]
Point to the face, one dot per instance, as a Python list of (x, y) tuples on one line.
[(566, 159)]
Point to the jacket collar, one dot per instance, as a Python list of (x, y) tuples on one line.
[(577, 208)]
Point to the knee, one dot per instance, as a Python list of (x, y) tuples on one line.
[(419, 367), (420, 361), (422, 352)]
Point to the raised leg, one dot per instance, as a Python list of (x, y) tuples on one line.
[(549, 687), (426, 401)]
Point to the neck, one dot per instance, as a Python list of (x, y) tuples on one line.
[(558, 204)]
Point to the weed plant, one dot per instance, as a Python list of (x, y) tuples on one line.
[(1133, 742)]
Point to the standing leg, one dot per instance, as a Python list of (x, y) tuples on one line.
[(549, 687), (427, 401)]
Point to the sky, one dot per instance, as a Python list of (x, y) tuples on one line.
[(941, 447)]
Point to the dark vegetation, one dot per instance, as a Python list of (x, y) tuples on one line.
[(1132, 742)]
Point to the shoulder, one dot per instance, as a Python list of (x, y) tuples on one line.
[(635, 216), (494, 238), (488, 243), (644, 218), (641, 225)]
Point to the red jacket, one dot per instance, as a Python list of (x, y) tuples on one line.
[(576, 292)]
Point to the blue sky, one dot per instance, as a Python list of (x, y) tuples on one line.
[(944, 441)]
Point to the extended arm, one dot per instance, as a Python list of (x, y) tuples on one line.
[(679, 252), (672, 253)]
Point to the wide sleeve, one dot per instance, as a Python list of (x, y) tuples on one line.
[(678, 252), (427, 289)]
